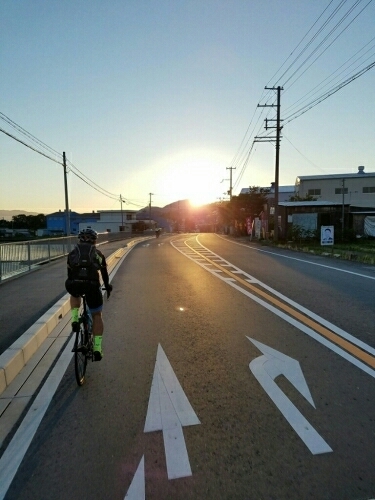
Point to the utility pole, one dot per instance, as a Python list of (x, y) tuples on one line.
[(277, 159), (67, 215), (230, 182), (122, 214), (343, 210), (151, 194)]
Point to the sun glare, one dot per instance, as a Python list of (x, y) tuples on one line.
[(194, 176)]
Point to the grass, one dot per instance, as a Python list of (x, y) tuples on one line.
[(361, 251)]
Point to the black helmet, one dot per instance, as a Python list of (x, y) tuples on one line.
[(88, 236)]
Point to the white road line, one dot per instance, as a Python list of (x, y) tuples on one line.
[(13, 455), (295, 258)]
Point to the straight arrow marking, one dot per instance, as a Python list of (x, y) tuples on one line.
[(168, 411), (137, 490), (265, 369)]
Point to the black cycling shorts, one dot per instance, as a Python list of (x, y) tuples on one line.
[(92, 291)]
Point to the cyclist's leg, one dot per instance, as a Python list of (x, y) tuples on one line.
[(75, 302), (97, 323), (95, 302)]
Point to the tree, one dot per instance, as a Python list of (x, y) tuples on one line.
[(20, 221), (31, 222), (235, 212), (248, 205), (307, 197)]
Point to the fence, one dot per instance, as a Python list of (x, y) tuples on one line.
[(20, 257)]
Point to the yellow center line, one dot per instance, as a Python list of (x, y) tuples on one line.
[(348, 346)]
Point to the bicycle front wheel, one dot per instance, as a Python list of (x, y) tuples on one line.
[(80, 357)]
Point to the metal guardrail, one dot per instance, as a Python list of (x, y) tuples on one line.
[(20, 257)]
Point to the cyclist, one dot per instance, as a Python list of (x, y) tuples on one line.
[(89, 285)]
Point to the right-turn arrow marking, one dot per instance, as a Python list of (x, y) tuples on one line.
[(266, 368)]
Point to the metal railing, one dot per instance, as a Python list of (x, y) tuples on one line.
[(20, 257)]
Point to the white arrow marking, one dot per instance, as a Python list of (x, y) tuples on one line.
[(168, 411), (137, 489), (266, 368)]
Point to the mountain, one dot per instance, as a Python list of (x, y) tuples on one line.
[(8, 214)]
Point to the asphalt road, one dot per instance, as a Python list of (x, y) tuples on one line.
[(185, 333)]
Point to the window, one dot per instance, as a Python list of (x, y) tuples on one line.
[(314, 192), (368, 189), (339, 190)]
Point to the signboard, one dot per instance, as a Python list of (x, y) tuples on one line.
[(327, 235)]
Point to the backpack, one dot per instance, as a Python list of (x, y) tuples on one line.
[(83, 262)]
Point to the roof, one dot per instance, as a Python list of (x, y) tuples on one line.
[(116, 211), (319, 203), (353, 175), (61, 213)]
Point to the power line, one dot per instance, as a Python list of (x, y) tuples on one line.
[(331, 77), (315, 36), (325, 96), (72, 169), (293, 51), (326, 38), (303, 156), (28, 134), (28, 146), (244, 157), (90, 182)]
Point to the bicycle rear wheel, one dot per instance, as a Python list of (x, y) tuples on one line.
[(80, 357)]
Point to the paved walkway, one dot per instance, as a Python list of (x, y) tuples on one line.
[(25, 298)]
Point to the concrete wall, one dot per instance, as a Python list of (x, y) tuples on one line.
[(354, 186)]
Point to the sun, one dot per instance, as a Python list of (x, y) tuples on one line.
[(195, 176)]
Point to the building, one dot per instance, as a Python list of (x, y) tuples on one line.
[(310, 215), (56, 222), (356, 189), (115, 221)]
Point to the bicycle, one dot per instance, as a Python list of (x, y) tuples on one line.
[(84, 344)]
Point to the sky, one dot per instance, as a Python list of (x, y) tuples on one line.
[(158, 100)]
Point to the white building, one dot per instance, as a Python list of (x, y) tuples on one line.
[(112, 221), (356, 189)]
